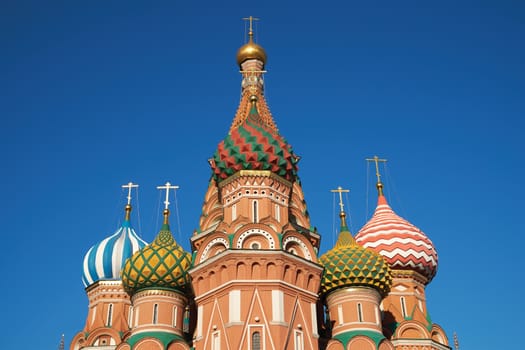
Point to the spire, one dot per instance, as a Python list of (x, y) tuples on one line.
[(345, 237), (61, 345), (166, 212), (251, 51), (379, 184), (129, 186)]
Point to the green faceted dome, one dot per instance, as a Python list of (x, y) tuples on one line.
[(161, 264), (349, 264)]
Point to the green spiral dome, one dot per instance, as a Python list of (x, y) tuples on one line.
[(349, 264), (162, 264)]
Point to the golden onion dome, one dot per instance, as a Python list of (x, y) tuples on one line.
[(251, 51)]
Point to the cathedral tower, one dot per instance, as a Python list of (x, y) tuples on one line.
[(109, 305), (255, 275), (413, 260)]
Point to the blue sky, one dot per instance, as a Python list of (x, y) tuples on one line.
[(96, 94)]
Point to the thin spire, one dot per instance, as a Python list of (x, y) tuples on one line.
[(379, 184), (166, 211), (250, 31), (129, 186), (456, 341), (342, 213), (61, 345)]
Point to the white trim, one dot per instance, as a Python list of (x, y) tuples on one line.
[(235, 306), (277, 306)]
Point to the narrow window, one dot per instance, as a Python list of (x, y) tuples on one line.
[(256, 341), (155, 313), (93, 315), (255, 212), (277, 213), (299, 340), (130, 317), (136, 314), (403, 307), (216, 341), (234, 212), (174, 318), (359, 312), (110, 315)]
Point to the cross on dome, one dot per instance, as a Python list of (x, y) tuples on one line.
[(167, 187), (251, 19), (129, 186), (342, 214), (376, 160)]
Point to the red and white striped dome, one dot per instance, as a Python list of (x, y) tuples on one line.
[(403, 245)]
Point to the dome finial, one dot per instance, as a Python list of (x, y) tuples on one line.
[(166, 212), (379, 184), (250, 50), (342, 213), (129, 186)]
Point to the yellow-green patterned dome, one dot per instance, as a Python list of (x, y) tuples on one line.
[(161, 264), (349, 264)]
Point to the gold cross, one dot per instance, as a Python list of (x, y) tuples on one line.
[(376, 159), (340, 191), (251, 19)]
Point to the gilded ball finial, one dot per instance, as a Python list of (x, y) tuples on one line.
[(250, 50)]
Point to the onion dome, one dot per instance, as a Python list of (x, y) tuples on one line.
[(251, 51), (104, 260), (403, 245), (349, 264), (254, 144), (163, 264)]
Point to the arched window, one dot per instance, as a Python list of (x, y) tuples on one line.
[(110, 315), (277, 213), (255, 211), (256, 341), (234, 212), (359, 312)]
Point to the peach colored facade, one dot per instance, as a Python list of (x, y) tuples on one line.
[(255, 278)]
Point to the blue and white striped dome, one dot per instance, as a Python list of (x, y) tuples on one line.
[(104, 260)]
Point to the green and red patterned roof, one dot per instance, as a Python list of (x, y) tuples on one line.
[(349, 264), (254, 144)]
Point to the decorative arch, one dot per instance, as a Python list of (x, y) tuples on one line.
[(385, 345), (411, 330), (178, 345), (255, 234), (297, 246), (334, 344), (98, 334), (149, 344), (214, 247), (438, 335), (362, 343)]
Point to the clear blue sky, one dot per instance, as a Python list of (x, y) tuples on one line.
[(96, 94)]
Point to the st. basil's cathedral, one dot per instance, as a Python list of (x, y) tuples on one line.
[(255, 279)]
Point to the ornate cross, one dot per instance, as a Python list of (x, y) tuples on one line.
[(376, 160), (340, 191), (251, 19), (129, 186), (167, 187)]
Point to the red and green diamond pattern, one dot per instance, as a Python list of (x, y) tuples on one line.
[(251, 146)]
